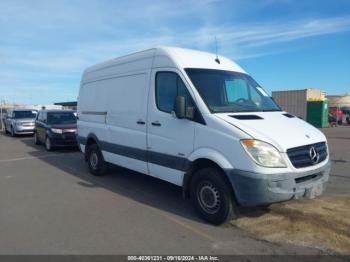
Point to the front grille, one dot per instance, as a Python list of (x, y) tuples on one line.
[(69, 131), (27, 124), (69, 136), (307, 178), (300, 156)]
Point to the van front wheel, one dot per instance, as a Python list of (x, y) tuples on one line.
[(212, 196), (97, 165)]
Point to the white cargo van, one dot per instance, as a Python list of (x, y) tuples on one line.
[(202, 123)]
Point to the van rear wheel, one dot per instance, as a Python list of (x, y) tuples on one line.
[(96, 162), (212, 196)]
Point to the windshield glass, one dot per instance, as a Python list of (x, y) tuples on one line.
[(226, 91), (24, 114), (58, 118)]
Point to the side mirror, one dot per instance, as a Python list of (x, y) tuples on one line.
[(180, 107)]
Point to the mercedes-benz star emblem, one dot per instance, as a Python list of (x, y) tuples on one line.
[(314, 155)]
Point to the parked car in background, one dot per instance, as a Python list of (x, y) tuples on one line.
[(335, 115), (20, 121), (56, 129), (346, 111)]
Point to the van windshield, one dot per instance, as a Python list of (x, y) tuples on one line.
[(227, 91), (24, 114)]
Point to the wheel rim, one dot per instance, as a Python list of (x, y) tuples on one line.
[(48, 144), (94, 160), (208, 197)]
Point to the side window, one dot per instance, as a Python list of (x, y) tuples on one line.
[(168, 86), (236, 89), (182, 91)]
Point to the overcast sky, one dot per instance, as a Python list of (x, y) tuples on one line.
[(45, 45)]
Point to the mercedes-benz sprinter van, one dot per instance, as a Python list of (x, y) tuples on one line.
[(200, 122)]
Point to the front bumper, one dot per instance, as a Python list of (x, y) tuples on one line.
[(63, 140), (24, 129), (253, 189)]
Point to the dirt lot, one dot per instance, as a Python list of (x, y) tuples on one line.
[(323, 222), (50, 204)]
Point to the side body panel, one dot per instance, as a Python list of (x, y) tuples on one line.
[(126, 116), (113, 107)]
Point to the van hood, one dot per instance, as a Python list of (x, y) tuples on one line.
[(275, 128)]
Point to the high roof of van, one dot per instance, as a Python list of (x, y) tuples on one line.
[(171, 57)]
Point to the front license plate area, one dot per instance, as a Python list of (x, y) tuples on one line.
[(314, 191)]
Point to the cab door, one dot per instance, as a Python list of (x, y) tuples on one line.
[(169, 140)]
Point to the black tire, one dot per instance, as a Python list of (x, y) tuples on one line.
[(96, 162), (212, 196), (36, 139), (48, 144)]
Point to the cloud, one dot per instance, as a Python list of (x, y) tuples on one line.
[(49, 43), (238, 41), (245, 37)]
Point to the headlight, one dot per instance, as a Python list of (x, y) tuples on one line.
[(263, 153), (56, 130)]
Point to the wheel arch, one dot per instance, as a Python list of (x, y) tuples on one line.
[(203, 158), (90, 140)]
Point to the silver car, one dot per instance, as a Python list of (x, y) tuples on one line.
[(20, 121)]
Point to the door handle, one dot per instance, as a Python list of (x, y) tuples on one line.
[(140, 122), (156, 123)]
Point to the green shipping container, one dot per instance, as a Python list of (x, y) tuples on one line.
[(317, 113)]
